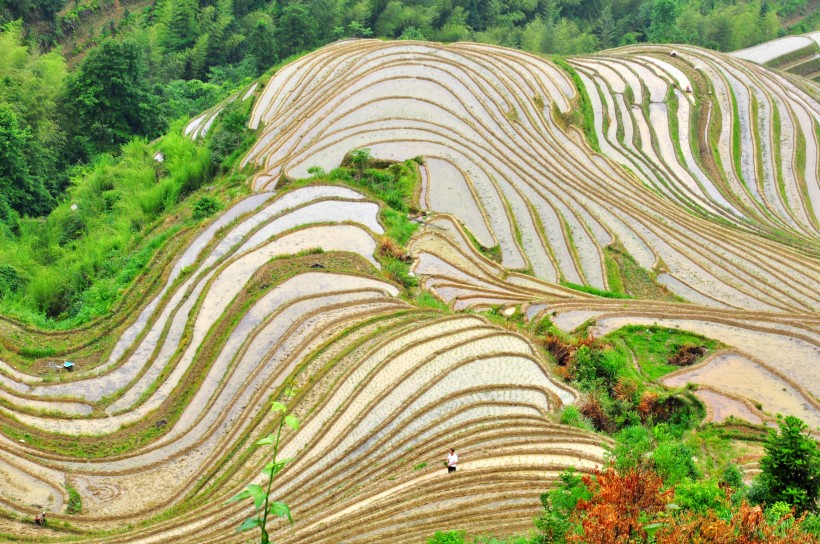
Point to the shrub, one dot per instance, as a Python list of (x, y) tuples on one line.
[(674, 462), (559, 504), (732, 477), (389, 248), (572, 416), (205, 207), (633, 445), (790, 470), (702, 497), (619, 505), (448, 537), (592, 408), (10, 280), (71, 227), (399, 272), (75, 501), (597, 367), (229, 137), (811, 525), (747, 525), (51, 291)]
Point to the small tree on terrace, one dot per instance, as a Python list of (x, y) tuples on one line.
[(359, 159), (791, 466)]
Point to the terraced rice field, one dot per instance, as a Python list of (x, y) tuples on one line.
[(799, 55), (701, 211), (249, 306)]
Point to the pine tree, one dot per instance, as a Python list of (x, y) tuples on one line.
[(182, 27), (606, 28)]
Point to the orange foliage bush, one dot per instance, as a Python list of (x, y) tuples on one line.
[(623, 505), (591, 408), (747, 526), (658, 409), (646, 406), (389, 248), (619, 505), (625, 390), (564, 352), (561, 350)]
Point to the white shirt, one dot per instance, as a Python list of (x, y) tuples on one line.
[(452, 459)]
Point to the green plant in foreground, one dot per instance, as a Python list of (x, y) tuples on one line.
[(261, 496)]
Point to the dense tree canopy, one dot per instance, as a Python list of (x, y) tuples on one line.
[(110, 98), (30, 134)]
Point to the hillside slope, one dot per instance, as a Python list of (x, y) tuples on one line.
[(703, 205)]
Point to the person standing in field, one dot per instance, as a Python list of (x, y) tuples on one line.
[(452, 460)]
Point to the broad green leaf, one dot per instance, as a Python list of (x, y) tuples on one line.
[(258, 494), (243, 495), (280, 510), (250, 523), (278, 407), (270, 439), (292, 422)]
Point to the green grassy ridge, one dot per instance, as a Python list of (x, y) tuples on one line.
[(72, 266), (594, 290), (586, 120)]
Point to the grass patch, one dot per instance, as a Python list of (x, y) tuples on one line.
[(636, 281), (492, 253), (736, 136), (75, 501), (583, 117), (420, 466), (427, 300), (613, 274), (674, 128), (594, 290), (654, 346)]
